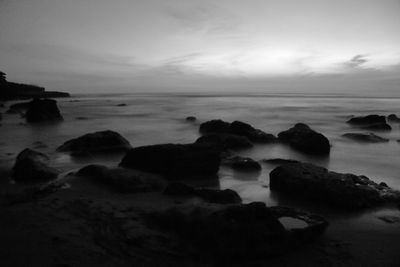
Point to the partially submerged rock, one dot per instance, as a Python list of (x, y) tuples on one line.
[(242, 163), (393, 118), (122, 180), (305, 139), (371, 122), (226, 196), (176, 161), (239, 231), (312, 182), (225, 141), (191, 118), (96, 143), (366, 138), (43, 110), (236, 128), (31, 165)]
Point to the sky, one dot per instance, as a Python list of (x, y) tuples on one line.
[(308, 46)]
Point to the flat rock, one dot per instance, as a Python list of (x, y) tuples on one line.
[(366, 138), (31, 165), (176, 161), (301, 137), (96, 143), (311, 182)]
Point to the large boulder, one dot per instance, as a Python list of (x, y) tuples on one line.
[(225, 141), (236, 128), (176, 161), (121, 180), (315, 183), (305, 139), (365, 138), (42, 110), (96, 143), (371, 122), (226, 196), (31, 165)]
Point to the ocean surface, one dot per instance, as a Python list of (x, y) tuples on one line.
[(156, 119)]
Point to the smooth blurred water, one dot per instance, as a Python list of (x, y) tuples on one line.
[(153, 119)]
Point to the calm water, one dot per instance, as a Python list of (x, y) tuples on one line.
[(152, 119)]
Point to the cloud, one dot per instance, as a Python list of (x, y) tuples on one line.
[(357, 61)]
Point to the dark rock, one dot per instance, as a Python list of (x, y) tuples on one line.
[(121, 180), (225, 141), (82, 118), (242, 163), (367, 120), (179, 189), (304, 139), (191, 118), (241, 231), (382, 184), (236, 128), (311, 182), (175, 160), (393, 118), (377, 127), (31, 165), (121, 105), (279, 161), (368, 138), (41, 110), (96, 143)]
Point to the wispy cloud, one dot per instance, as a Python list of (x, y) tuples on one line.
[(357, 61)]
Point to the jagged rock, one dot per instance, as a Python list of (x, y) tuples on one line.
[(393, 118), (176, 161), (210, 195), (367, 138), (304, 139), (121, 180), (96, 143), (312, 182), (42, 110), (225, 141), (236, 128), (242, 163), (31, 165)]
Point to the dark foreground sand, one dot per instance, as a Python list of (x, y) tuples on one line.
[(88, 225)]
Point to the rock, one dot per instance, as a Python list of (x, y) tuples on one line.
[(20, 107), (349, 191), (82, 118), (191, 118), (304, 139), (42, 110), (240, 231), (279, 161), (121, 180), (242, 163), (225, 141), (226, 196), (121, 105), (236, 128), (96, 143), (378, 127), (176, 161), (31, 165), (367, 120), (367, 138), (393, 118)]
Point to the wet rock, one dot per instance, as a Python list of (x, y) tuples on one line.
[(241, 231), (226, 196), (306, 140), (377, 127), (191, 118), (393, 118), (367, 120), (236, 128), (42, 110), (242, 163), (31, 165), (176, 161), (349, 191), (279, 161), (121, 180), (367, 138), (225, 141), (121, 105), (96, 143)]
